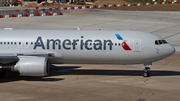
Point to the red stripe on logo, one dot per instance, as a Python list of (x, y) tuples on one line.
[(125, 46)]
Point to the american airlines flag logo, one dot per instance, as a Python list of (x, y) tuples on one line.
[(124, 44)]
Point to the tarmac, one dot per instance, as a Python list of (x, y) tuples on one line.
[(91, 82)]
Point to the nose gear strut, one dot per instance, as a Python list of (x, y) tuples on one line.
[(146, 69)]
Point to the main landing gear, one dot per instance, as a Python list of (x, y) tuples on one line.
[(146, 69), (2, 73)]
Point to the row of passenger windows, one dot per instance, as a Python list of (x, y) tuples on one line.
[(159, 42), (15, 43), (31, 43)]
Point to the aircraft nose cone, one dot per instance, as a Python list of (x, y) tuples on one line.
[(171, 50)]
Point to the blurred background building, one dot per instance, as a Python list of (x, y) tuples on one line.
[(21, 2)]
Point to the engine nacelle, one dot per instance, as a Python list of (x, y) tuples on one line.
[(32, 66)]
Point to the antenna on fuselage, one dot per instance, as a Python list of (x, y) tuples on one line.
[(78, 28), (8, 28)]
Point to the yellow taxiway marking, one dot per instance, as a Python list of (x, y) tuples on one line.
[(174, 62), (161, 18)]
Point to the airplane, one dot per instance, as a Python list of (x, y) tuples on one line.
[(30, 52)]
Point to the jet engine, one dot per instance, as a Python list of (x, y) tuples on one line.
[(31, 66)]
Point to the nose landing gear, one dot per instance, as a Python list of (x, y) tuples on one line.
[(146, 72), (146, 69)]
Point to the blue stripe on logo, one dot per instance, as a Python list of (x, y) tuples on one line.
[(119, 37)]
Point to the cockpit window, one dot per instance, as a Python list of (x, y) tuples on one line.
[(164, 41), (159, 42), (156, 42)]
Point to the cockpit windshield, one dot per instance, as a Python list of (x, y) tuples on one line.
[(159, 42)]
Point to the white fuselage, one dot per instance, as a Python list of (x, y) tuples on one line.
[(85, 46)]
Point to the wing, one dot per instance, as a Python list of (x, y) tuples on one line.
[(11, 59)]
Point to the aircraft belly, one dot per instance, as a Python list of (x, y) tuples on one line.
[(106, 57)]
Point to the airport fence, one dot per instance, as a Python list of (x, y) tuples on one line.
[(57, 10), (30, 12)]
